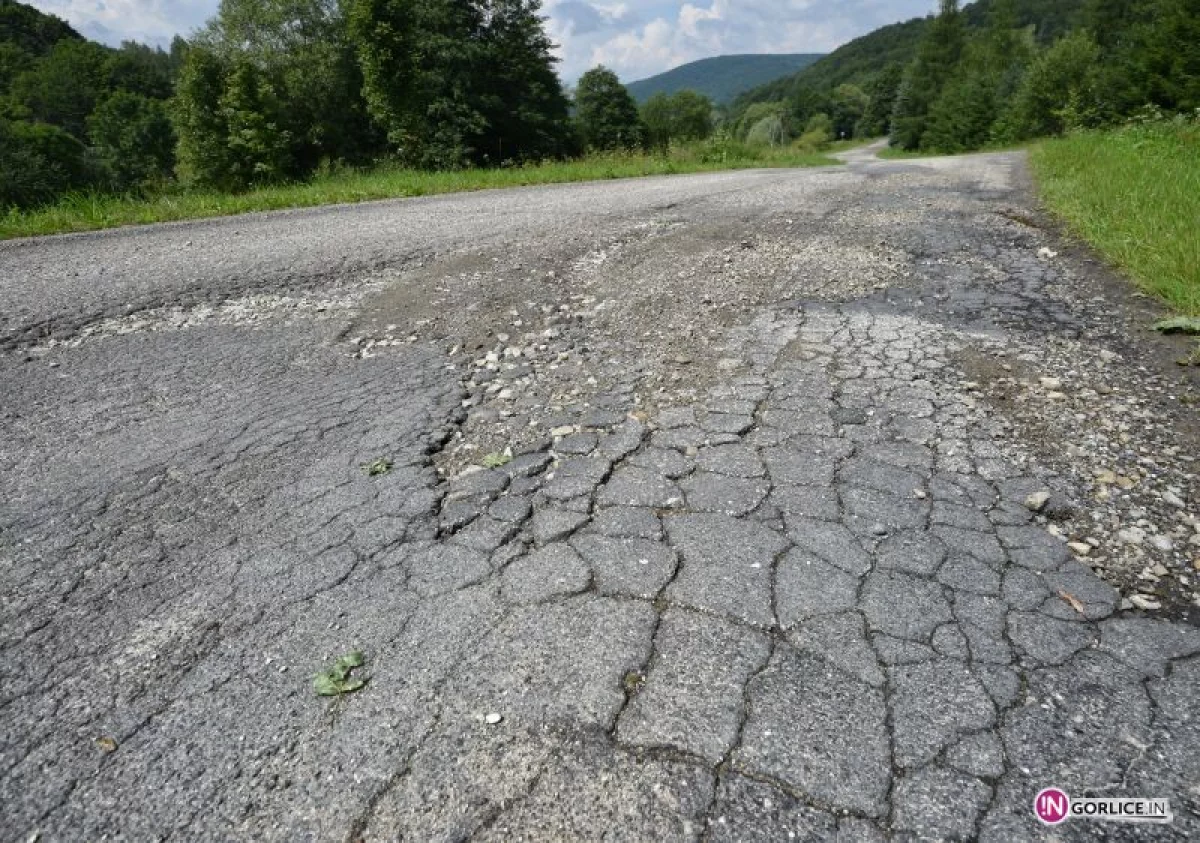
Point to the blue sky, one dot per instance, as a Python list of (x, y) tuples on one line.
[(635, 39)]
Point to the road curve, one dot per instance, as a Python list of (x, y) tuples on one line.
[(837, 504)]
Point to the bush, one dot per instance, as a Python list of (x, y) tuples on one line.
[(1059, 92), (39, 163), (769, 131), (134, 141)]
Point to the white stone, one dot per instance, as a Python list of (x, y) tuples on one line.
[(1132, 535), (1163, 543), (1172, 499), (1037, 501)]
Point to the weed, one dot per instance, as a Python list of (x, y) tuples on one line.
[(378, 468), (338, 680), (496, 460)]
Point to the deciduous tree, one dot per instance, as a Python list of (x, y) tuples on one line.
[(606, 114)]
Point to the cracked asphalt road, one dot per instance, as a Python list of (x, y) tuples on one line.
[(760, 567)]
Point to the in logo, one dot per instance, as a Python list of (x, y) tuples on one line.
[(1052, 806)]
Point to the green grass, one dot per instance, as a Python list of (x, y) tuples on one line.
[(1134, 194), (89, 212)]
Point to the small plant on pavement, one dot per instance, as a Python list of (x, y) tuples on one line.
[(378, 468), (339, 679)]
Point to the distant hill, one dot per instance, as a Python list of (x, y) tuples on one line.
[(859, 61), (30, 30), (722, 78)]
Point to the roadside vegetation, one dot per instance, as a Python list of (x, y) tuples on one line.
[(92, 211), (279, 104), (1134, 194)]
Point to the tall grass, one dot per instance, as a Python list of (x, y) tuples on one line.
[(1134, 194), (87, 212)]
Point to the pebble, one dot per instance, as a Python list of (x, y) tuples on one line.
[(1163, 543), (493, 718), (1132, 535), (1054, 384), (1080, 548), (1037, 501), (1172, 499), (1145, 602)]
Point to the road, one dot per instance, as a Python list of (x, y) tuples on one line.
[(848, 503)]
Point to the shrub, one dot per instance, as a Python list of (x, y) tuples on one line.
[(38, 163)]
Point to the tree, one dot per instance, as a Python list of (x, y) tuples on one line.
[(847, 106), (683, 116), (257, 145), (759, 111), (881, 92), (937, 57), (134, 140), (1059, 91), (963, 116), (606, 114), (966, 112), (203, 151), (769, 131), (304, 48), (1157, 59), (63, 87), (418, 59), (139, 69), (38, 163), (527, 115)]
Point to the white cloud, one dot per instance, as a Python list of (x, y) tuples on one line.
[(666, 33), (114, 21), (636, 39)]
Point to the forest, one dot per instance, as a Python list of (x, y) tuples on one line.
[(996, 72), (277, 91)]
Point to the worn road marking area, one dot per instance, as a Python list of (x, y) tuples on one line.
[(754, 557)]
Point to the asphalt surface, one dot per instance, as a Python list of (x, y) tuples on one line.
[(761, 565)]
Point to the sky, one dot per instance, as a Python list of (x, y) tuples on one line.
[(636, 39)]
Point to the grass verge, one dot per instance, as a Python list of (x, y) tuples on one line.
[(90, 212), (1133, 194)]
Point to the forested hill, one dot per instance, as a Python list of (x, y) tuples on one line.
[(722, 78), (25, 28), (860, 61), (996, 72)]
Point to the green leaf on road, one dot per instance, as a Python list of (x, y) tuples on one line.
[(496, 460), (1179, 325), (378, 468), (337, 680)]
